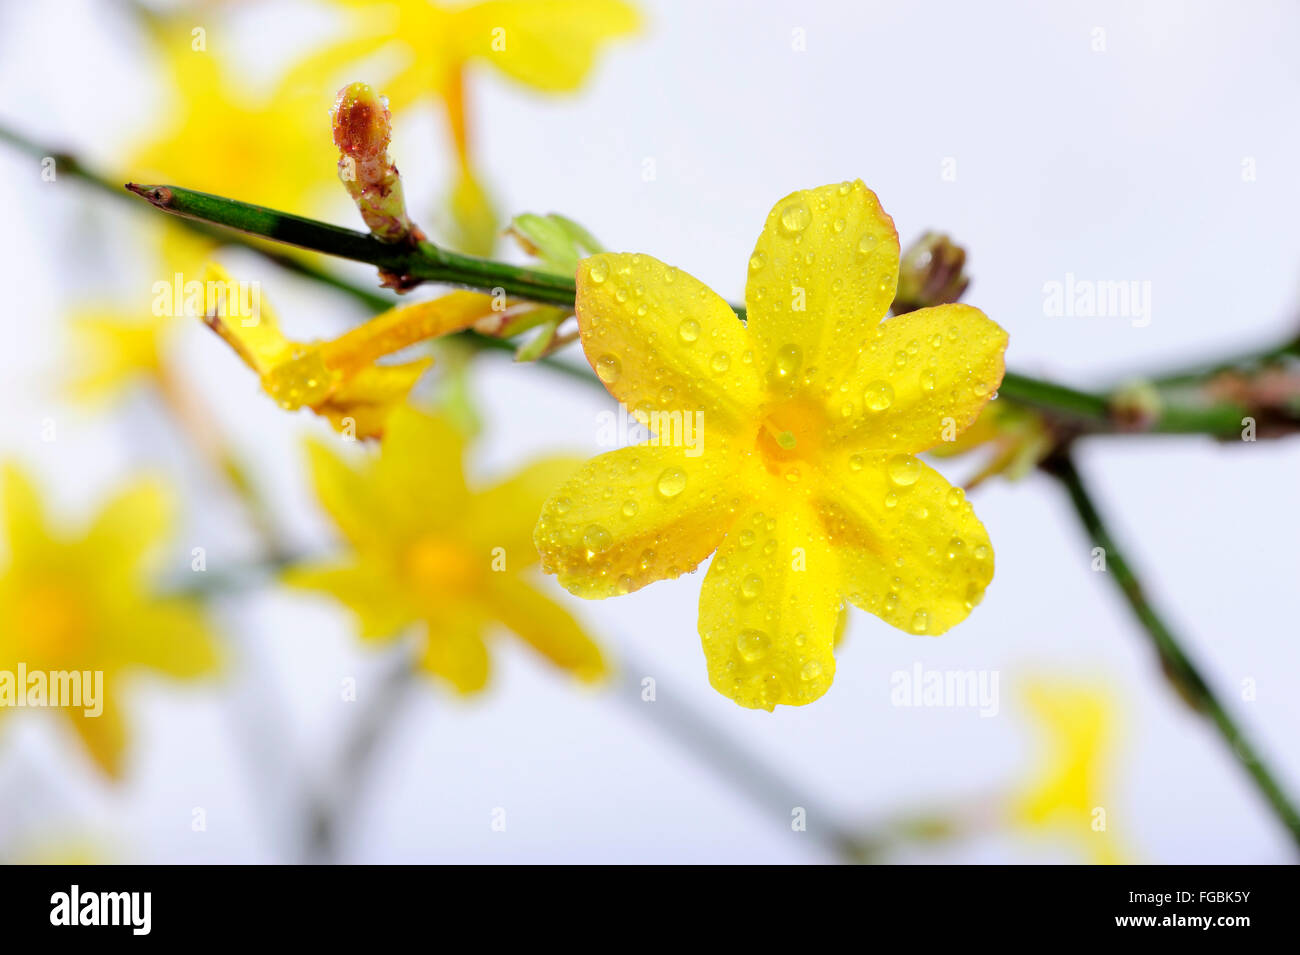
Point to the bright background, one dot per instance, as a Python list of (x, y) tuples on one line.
[(1122, 164)]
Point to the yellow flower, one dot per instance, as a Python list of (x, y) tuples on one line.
[(337, 379), (1065, 798), (805, 481), (547, 45), (219, 136), (80, 603), (118, 349), (428, 550)]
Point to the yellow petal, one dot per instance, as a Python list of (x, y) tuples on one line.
[(420, 471), (545, 625), (770, 607), (257, 339), (911, 549), (823, 274), (504, 515), (921, 380), (455, 650), (361, 406), (344, 493), (128, 535), (549, 45), (475, 223), (636, 515), (661, 340), (118, 350), (367, 588), (104, 735), (170, 636), (26, 532)]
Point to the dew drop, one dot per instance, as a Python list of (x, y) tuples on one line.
[(599, 271), (810, 671), (608, 369), (689, 330), (630, 508), (751, 586), (596, 539), (720, 362), (753, 644), (904, 470), (879, 395), (920, 622), (671, 482), (855, 462), (927, 380), (757, 261), (795, 217)]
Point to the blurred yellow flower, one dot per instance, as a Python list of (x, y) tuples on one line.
[(787, 445), (1065, 798), (222, 137), (428, 550), (1017, 439), (546, 45), (117, 349), (338, 379), (81, 604)]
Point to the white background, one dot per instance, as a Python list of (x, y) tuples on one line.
[(1122, 164)]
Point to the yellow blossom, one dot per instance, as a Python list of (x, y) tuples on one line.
[(338, 379), (218, 135), (80, 603), (805, 481), (1066, 797), (428, 550), (117, 349)]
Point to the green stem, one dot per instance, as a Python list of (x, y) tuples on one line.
[(1085, 411), (1187, 679)]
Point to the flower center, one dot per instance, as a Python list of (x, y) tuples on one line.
[(441, 566), (50, 621), (791, 436)]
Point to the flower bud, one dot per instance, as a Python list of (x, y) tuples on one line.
[(930, 273), (362, 127)]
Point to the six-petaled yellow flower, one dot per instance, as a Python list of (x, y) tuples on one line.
[(806, 481), (81, 604), (427, 550), (1066, 798)]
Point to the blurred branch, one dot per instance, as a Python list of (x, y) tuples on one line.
[(1177, 666), (327, 810)]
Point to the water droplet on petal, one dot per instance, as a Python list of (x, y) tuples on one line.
[(796, 217), (920, 622), (599, 271), (904, 470), (596, 539), (671, 482), (751, 586), (608, 369), (753, 644), (689, 330), (720, 362), (879, 395)]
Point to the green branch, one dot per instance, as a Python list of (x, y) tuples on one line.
[(425, 262), (1178, 667)]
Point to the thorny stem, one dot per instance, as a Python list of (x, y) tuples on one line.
[(1179, 668), (1087, 412)]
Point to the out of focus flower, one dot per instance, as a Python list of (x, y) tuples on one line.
[(81, 604), (786, 444), (547, 45), (338, 379), (1017, 439), (427, 550), (221, 137), (1066, 798), (116, 350)]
